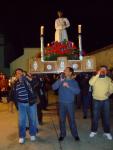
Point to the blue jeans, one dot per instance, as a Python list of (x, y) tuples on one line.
[(104, 107), (27, 111), (64, 109), (37, 122)]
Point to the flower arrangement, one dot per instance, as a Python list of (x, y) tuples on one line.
[(57, 49)]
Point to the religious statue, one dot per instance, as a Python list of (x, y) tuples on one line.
[(61, 24)]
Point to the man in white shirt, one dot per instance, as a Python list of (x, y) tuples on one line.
[(61, 24)]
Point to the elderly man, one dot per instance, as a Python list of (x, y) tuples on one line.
[(102, 88)]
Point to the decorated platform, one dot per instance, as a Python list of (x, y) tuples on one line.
[(88, 64), (57, 55)]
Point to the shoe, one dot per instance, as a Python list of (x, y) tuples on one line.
[(33, 138), (77, 138), (108, 135), (61, 138), (21, 140), (92, 134)]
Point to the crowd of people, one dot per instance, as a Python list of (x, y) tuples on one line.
[(94, 91), (4, 87), (29, 93)]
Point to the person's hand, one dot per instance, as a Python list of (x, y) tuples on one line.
[(29, 74), (65, 84), (64, 23), (61, 79), (3, 89), (99, 72), (107, 94), (74, 76)]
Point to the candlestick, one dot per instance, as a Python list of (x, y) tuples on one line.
[(80, 41), (42, 30), (79, 28), (42, 48), (80, 46)]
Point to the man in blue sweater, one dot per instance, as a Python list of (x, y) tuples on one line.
[(67, 89)]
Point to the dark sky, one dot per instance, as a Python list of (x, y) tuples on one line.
[(20, 22)]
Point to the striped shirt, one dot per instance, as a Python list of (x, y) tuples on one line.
[(22, 93)]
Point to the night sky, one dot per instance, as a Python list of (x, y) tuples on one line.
[(20, 22)]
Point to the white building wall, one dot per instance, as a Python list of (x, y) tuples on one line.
[(23, 61), (104, 56)]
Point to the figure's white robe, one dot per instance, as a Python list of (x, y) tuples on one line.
[(60, 25)]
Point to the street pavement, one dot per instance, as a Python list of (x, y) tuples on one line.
[(47, 138)]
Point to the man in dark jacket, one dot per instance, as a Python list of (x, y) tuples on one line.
[(21, 93)]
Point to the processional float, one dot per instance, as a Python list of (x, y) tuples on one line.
[(57, 55)]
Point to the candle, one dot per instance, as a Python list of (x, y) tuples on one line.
[(79, 28), (42, 30), (72, 44), (48, 44)]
